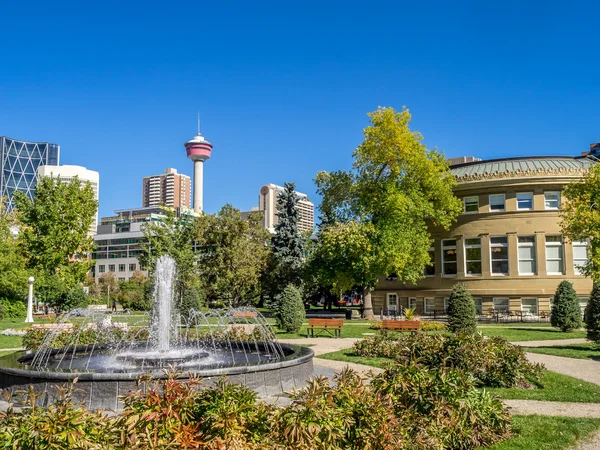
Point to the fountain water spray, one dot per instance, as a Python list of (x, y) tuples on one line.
[(163, 311)]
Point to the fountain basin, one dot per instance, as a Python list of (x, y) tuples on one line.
[(101, 389)]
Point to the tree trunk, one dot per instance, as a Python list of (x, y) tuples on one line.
[(368, 304)]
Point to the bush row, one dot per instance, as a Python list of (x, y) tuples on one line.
[(405, 407), (493, 362)]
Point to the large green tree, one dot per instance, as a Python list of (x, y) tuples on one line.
[(566, 312), (378, 215), (13, 275), (54, 235), (288, 242), (580, 217), (175, 236), (233, 255)]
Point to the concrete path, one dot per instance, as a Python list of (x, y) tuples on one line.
[(551, 343), (564, 409), (323, 345), (338, 366), (591, 443), (586, 370), (11, 349)]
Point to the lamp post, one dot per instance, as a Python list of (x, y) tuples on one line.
[(29, 318)]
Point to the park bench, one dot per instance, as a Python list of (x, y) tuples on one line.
[(52, 326), (245, 314), (100, 308), (412, 326), (325, 325)]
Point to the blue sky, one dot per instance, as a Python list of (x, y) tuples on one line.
[(283, 88)]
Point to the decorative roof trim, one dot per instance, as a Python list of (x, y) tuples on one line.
[(518, 173)]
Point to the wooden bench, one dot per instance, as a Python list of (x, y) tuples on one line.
[(325, 325), (245, 314), (412, 326)]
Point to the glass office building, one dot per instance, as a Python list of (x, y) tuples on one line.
[(19, 161)]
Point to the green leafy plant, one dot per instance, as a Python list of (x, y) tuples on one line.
[(432, 326), (12, 309), (290, 311), (566, 312), (462, 316), (410, 314)]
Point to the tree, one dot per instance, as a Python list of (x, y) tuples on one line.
[(462, 315), (288, 243), (566, 312), (592, 315), (131, 293), (580, 217), (56, 223), (290, 309), (233, 254), (108, 284), (13, 275), (173, 236), (377, 216)]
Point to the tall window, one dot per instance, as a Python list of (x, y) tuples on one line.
[(473, 256), (554, 255), (501, 304), (580, 256), (478, 305), (499, 255), (430, 270), (101, 268), (111, 267), (429, 305), (392, 302), (552, 200), (132, 267), (121, 267), (524, 200), (412, 302), (449, 256), (497, 202), (529, 306), (471, 204), (527, 252)]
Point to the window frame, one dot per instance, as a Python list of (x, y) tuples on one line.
[(532, 245), (492, 245), (450, 247), (517, 198), (101, 268), (537, 305), (501, 298), (412, 302), (387, 301), (124, 266), (546, 200), (113, 268), (478, 310), (503, 202), (579, 244), (561, 245), (425, 308), (465, 204), (467, 261), (432, 266)]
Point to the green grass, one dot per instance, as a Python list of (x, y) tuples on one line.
[(10, 341), (347, 332), (516, 325), (557, 387), (578, 351), (6, 353), (547, 433), (525, 334)]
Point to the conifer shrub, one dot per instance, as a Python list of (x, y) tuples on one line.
[(566, 312), (290, 311), (462, 316), (592, 315)]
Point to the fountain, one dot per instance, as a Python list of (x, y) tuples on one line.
[(108, 357)]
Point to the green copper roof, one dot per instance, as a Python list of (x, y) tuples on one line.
[(558, 164)]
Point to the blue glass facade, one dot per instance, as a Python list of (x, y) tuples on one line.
[(19, 161)]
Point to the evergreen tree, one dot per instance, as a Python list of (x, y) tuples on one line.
[(461, 310), (288, 243), (566, 312), (290, 309), (592, 315)]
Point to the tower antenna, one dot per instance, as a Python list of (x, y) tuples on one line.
[(198, 122)]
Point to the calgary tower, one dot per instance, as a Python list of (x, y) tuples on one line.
[(198, 150)]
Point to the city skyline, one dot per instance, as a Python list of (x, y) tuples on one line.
[(281, 104)]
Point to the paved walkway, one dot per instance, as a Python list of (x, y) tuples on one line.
[(584, 369), (551, 343), (321, 345), (564, 409)]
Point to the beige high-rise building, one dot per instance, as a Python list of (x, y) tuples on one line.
[(168, 189), (267, 203)]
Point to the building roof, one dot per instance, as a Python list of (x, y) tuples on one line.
[(532, 165)]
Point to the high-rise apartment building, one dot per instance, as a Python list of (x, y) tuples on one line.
[(267, 203), (169, 189), (67, 173), (19, 161)]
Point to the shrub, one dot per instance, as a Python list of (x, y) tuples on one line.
[(410, 314), (566, 312), (462, 316), (12, 309), (290, 309), (432, 326), (592, 315), (493, 362), (191, 300)]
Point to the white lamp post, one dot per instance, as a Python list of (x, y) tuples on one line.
[(29, 318)]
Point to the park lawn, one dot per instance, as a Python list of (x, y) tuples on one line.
[(526, 334), (578, 351), (354, 331), (10, 341), (557, 387), (547, 433), (515, 325), (6, 353)]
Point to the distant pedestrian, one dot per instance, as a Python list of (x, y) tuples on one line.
[(114, 306)]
